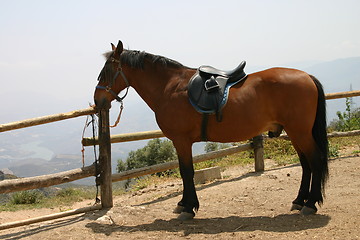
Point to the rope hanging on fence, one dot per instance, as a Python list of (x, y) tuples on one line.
[(87, 123), (96, 161), (97, 169)]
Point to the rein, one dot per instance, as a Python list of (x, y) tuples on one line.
[(109, 90)]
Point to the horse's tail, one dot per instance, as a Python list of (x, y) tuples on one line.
[(320, 135)]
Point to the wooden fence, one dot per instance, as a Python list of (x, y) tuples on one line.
[(104, 141)]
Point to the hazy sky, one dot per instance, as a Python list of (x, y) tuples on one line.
[(51, 51)]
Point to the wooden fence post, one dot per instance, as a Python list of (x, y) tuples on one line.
[(259, 153), (105, 159)]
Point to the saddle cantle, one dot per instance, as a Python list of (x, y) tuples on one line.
[(208, 89)]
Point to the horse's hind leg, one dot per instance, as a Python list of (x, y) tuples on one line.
[(315, 194), (310, 191), (303, 194)]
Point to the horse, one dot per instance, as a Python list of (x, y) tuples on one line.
[(271, 100)]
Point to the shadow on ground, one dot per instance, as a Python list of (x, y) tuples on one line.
[(280, 223)]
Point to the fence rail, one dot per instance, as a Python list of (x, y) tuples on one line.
[(49, 217), (46, 119), (330, 135), (20, 184), (330, 96), (126, 137)]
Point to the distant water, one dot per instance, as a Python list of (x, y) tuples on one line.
[(37, 151)]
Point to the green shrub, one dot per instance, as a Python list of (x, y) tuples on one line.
[(348, 120), (333, 150), (27, 197), (68, 192), (155, 152)]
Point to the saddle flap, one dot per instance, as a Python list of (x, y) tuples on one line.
[(208, 89)]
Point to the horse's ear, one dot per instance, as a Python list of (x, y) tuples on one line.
[(118, 50), (113, 47)]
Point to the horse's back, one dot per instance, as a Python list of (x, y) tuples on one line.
[(269, 99), (279, 78), (285, 92), (276, 85)]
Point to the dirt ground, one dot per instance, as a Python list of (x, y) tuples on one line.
[(242, 205)]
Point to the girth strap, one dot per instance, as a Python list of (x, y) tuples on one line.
[(204, 124)]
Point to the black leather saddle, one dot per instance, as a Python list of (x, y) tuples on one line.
[(208, 89)]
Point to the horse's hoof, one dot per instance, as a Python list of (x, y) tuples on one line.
[(296, 207), (306, 211), (184, 216), (178, 209)]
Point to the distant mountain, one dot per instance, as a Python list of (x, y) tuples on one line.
[(338, 76), (6, 174)]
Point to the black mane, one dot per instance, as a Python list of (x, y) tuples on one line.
[(135, 59)]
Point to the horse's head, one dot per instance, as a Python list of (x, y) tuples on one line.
[(111, 79)]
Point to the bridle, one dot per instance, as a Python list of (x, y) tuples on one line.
[(109, 90), (108, 87)]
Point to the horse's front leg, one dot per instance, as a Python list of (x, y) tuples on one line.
[(189, 201)]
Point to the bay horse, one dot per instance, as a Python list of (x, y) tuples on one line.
[(272, 100)]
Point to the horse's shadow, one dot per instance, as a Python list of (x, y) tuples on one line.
[(280, 223), (215, 183)]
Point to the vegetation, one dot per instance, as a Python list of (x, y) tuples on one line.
[(27, 197), (45, 197), (348, 120), (213, 146), (155, 152)]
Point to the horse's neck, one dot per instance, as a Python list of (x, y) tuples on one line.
[(150, 84)]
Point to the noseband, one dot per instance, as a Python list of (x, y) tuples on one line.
[(108, 87)]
